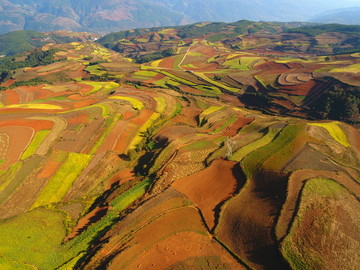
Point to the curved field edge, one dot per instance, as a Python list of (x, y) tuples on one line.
[(324, 234)]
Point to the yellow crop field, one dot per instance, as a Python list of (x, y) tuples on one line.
[(104, 86), (135, 103), (63, 179), (335, 131), (38, 106), (139, 137), (156, 63), (216, 83), (161, 104), (208, 111), (352, 69)]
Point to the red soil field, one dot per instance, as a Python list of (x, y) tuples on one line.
[(180, 247), (113, 138), (85, 88), (165, 225), (19, 138), (209, 188), (275, 66), (32, 123), (10, 97), (76, 118), (157, 77), (121, 177), (167, 62), (49, 169), (301, 90), (8, 83), (240, 122)]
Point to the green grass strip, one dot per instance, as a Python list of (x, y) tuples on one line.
[(208, 111), (63, 179), (253, 161), (6, 176), (110, 123), (216, 83), (103, 86), (139, 136), (128, 197), (176, 78), (36, 141), (247, 149), (299, 252)]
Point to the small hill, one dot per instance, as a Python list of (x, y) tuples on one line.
[(21, 41)]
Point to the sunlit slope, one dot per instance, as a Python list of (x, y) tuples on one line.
[(197, 160)]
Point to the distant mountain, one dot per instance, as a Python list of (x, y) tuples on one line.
[(343, 16), (104, 16)]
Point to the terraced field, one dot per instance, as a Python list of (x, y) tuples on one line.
[(205, 159)]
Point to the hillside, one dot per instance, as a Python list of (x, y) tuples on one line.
[(103, 16), (22, 41), (210, 146)]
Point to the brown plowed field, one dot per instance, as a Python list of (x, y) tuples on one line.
[(209, 188), (155, 232), (246, 222), (113, 138), (177, 249)]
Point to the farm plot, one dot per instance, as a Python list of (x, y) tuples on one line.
[(325, 212), (14, 145), (209, 188), (57, 188)]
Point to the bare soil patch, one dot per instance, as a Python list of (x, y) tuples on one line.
[(210, 187)]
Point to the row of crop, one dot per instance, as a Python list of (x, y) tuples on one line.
[(253, 161), (247, 149), (62, 181), (110, 123), (36, 141)]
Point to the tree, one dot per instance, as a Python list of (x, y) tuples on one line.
[(230, 146)]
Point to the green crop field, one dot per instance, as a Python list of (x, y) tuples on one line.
[(253, 161), (33, 239), (36, 141), (95, 70), (247, 149), (318, 194), (128, 197)]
